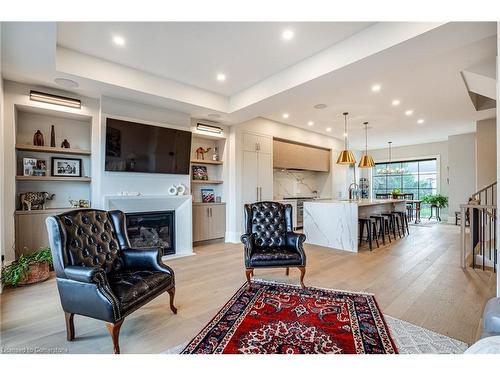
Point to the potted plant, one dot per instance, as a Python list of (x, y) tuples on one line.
[(28, 269), (436, 200), (395, 192)]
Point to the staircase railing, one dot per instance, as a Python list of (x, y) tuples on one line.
[(478, 235), (487, 195)]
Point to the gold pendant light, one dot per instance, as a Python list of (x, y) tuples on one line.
[(346, 156), (366, 160)]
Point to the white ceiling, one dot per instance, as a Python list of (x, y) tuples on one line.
[(331, 63), (194, 52)]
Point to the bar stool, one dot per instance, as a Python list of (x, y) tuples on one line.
[(392, 224), (403, 221), (383, 223), (371, 229)]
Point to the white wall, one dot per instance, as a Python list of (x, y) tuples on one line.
[(2, 146), (339, 176), (434, 149), (498, 140), (462, 169), (486, 153)]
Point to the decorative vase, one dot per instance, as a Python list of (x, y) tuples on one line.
[(65, 144), (38, 272), (52, 137), (38, 138)]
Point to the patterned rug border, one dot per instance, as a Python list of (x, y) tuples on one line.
[(269, 282), (311, 287)]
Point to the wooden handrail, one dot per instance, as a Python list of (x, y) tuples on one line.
[(485, 188)]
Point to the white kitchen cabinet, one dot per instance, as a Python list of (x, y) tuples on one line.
[(257, 143), (257, 168)]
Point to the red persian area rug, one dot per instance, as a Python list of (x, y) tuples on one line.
[(273, 318)]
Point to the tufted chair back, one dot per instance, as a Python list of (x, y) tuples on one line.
[(268, 223), (88, 239)]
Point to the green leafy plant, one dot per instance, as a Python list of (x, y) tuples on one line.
[(436, 200), (18, 270)]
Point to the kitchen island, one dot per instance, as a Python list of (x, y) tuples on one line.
[(334, 223)]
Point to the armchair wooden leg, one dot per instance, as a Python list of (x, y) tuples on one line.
[(70, 326), (249, 273), (287, 272), (302, 273), (172, 295), (114, 331)]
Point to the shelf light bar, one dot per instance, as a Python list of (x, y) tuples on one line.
[(209, 128), (55, 99)]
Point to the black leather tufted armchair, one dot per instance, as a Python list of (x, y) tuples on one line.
[(269, 239), (98, 274)]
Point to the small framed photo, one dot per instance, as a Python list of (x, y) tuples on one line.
[(200, 173), (65, 167), (207, 195), (28, 165), (41, 168)]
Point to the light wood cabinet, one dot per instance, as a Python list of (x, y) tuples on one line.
[(31, 233), (289, 155), (257, 168), (209, 221)]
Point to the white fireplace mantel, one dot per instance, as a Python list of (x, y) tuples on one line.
[(181, 204)]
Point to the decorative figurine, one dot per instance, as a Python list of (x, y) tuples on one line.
[(35, 200), (82, 203), (65, 143), (215, 156), (52, 137), (200, 151), (38, 138)]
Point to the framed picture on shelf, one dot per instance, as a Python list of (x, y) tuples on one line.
[(207, 195), (200, 173), (40, 168), (66, 167), (28, 165)]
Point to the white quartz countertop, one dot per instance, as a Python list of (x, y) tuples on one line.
[(359, 202)]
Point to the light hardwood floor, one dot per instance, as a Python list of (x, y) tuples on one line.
[(417, 279)]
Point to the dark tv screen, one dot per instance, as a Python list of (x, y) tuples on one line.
[(134, 147)]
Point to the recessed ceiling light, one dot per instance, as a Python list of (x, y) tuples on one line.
[(119, 40), (310, 123), (420, 121), (287, 34), (67, 83), (285, 115), (409, 112), (376, 88), (320, 106), (396, 102), (221, 77), (328, 129)]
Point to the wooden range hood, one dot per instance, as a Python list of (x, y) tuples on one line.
[(293, 155)]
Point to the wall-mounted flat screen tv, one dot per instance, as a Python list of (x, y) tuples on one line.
[(134, 147)]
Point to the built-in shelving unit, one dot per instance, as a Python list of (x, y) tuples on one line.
[(76, 128), (207, 182), (211, 162), (52, 150), (53, 178), (215, 168)]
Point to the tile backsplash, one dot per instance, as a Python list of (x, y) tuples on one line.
[(299, 183)]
